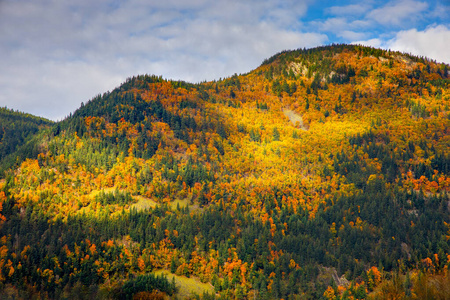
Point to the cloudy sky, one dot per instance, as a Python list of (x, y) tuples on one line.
[(55, 54)]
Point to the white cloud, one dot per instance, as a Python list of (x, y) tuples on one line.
[(433, 42), (398, 12), (361, 24), (332, 24), (343, 28)]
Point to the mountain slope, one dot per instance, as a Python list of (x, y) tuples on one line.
[(213, 180), (16, 136)]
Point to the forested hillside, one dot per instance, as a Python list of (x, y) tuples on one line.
[(324, 173), (18, 137)]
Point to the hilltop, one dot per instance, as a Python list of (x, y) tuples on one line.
[(324, 172)]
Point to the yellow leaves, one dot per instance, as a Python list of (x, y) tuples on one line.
[(264, 218), (2, 196), (192, 150), (329, 293), (109, 243), (359, 223), (427, 263), (101, 272), (273, 227), (333, 230), (2, 263), (372, 178), (292, 264), (375, 274), (141, 264), (11, 268), (447, 236), (3, 251), (47, 273), (23, 254), (269, 285), (93, 249), (2, 217), (30, 166)]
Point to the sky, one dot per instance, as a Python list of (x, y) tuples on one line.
[(55, 54)]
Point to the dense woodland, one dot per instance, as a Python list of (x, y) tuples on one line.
[(322, 174)]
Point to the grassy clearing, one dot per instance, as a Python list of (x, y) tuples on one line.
[(143, 203), (187, 286), (181, 202), (105, 190)]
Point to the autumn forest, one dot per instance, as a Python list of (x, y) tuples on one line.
[(322, 174)]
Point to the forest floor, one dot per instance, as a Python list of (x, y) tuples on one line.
[(295, 118)]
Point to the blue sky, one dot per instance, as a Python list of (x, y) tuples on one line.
[(56, 54)]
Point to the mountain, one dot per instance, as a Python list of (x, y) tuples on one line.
[(323, 173)]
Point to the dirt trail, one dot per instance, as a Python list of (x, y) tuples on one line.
[(294, 118)]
